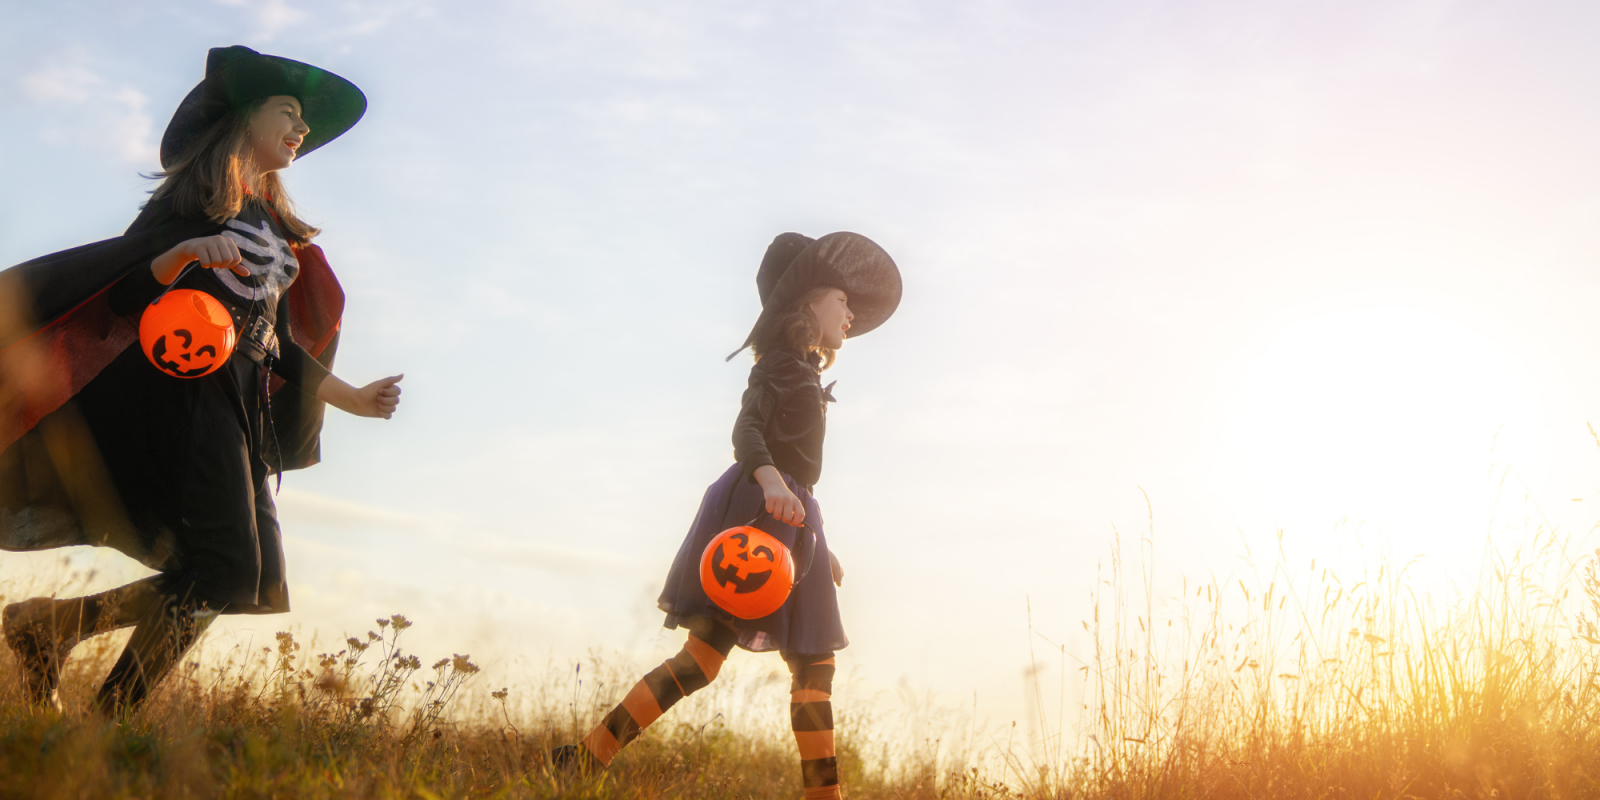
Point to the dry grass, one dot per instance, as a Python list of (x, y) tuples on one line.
[(1312, 686), (372, 720), (1298, 685)]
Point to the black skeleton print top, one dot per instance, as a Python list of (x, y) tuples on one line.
[(252, 300), (783, 417)]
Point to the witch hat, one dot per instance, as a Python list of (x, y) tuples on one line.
[(235, 75), (847, 261)]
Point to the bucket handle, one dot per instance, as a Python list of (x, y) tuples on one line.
[(805, 544)]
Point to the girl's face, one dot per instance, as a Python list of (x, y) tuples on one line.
[(832, 311), (276, 131)]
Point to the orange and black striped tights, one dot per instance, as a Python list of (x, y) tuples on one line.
[(694, 668)]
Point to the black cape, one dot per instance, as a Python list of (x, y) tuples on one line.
[(59, 336)]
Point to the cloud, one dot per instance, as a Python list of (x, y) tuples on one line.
[(85, 109), (271, 16), (61, 83), (549, 557), (306, 508), (365, 18), (315, 509), (321, 548)]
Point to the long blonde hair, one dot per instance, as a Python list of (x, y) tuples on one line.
[(797, 330), (209, 179)]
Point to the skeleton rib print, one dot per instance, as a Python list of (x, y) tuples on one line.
[(271, 263)]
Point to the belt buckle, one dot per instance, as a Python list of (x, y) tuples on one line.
[(261, 338)]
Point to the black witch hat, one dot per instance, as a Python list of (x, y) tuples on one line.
[(329, 104), (846, 261)]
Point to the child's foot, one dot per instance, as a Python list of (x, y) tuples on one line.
[(575, 759), (30, 631)]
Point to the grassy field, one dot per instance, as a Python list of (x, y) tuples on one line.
[(372, 720), (1300, 685)]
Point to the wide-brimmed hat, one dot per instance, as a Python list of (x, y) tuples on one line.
[(235, 75), (848, 261)]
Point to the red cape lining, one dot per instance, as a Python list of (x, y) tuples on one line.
[(80, 343)]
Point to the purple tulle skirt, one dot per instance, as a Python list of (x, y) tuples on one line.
[(807, 624)]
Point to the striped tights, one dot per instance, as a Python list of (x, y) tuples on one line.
[(694, 668)]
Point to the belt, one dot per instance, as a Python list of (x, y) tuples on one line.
[(257, 340)]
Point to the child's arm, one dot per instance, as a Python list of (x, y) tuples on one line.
[(306, 373), (213, 252), (376, 399), (750, 450), (135, 291), (781, 503)]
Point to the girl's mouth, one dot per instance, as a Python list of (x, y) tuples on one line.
[(293, 145)]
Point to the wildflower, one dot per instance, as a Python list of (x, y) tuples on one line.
[(400, 622), (330, 682), (462, 665)]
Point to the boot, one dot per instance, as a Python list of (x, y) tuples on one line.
[(31, 632)]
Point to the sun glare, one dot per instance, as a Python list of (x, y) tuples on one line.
[(1384, 418)]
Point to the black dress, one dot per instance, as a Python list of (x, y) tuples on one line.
[(782, 421), (190, 458)]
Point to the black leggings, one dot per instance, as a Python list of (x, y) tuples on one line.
[(166, 625)]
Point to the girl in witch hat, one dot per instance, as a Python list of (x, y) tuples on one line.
[(815, 293), (98, 446)]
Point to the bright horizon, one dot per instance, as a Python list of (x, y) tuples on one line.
[(1326, 269)]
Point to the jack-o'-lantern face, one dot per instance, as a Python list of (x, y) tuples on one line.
[(739, 565), (747, 572), (186, 333)]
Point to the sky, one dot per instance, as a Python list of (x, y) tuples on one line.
[(1199, 271)]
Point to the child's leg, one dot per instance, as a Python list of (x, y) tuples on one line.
[(42, 631), (693, 668), (811, 709), (167, 629)]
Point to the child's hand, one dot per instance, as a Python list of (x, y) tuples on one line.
[(781, 503), (838, 571), (378, 399), (213, 252)]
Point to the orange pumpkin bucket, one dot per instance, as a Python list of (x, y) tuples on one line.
[(186, 333), (749, 573)]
